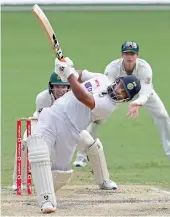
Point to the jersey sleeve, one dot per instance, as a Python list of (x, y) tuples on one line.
[(111, 72), (145, 77), (39, 104), (86, 75)]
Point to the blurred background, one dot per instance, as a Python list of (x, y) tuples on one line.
[(91, 33)]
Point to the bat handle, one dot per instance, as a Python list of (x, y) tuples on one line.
[(58, 50), (62, 59)]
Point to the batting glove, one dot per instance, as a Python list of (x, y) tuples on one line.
[(64, 69)]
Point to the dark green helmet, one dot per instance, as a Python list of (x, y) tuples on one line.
[(130, 46), (55, 80)]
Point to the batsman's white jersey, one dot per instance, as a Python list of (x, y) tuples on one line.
[(61, 124), (103, 104), (147, 96)]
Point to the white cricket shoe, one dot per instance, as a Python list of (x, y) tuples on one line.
[(108, 185), (81, 160), (48, 207)]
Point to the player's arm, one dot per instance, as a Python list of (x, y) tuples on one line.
[(85, 75), (67, 72), (80, 93), (42, 101), (145, 78), (39, 105), (95, 103), (111, 72)]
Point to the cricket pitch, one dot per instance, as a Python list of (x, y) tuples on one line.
[(88, 200)]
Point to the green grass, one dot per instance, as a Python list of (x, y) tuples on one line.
[(92, 39)]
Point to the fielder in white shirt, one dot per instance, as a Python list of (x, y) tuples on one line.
[(131, 64), (61, 126)]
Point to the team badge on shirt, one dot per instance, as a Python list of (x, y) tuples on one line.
[(88, 86)]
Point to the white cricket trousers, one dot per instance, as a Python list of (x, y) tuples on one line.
[(60, 136), (161, 119)]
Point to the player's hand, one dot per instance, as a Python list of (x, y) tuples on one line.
[(68, 61), (64, 68), (133, 110)]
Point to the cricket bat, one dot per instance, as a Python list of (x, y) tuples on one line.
[(49, 30)]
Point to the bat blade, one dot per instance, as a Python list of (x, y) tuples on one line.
[(48, 30)]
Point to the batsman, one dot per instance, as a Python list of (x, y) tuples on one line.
[(62, 125), (56, 89)]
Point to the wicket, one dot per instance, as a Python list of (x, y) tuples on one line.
[(19, 153)]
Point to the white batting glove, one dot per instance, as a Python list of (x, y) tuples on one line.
[(65, 69), (69, 61)]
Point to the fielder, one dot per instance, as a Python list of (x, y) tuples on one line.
[(61, 127), (56, 89), (46, 98), (128, 64)]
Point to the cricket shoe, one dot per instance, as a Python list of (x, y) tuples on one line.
[(108, 185), (48, 207), (81, 160)]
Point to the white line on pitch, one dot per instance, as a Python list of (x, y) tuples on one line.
[(159, 190)]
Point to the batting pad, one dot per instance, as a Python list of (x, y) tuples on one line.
[(61, 178), (86, 139), (39, 158), (98, 162)]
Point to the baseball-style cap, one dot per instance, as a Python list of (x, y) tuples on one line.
[(130, 46)]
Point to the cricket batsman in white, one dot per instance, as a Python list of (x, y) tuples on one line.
[(61, 126), (131, 64), (57, 88)]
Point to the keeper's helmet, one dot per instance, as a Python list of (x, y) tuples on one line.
[(130, 46), (56, 81), (124, 88)]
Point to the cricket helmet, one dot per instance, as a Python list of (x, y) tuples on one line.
[(129, 84), (55, 80), (130, 46)]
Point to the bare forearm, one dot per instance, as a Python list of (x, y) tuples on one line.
[(77, 89), (80, 93)]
